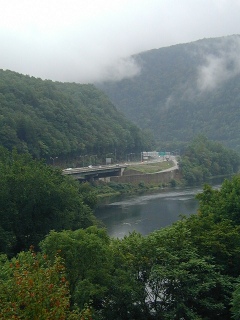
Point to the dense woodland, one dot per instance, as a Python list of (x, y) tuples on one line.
[(184, 90), (64, 120), (56, 263), (36, 198), (203, 159)]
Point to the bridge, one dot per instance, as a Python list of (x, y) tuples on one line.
[(95, 172)]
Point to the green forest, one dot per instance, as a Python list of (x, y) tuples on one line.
[(63, 120), (184, 90), (58, 263), (204, 159)]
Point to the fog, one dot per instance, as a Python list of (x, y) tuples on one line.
[(220, 67), (213, 72), (89, 41)]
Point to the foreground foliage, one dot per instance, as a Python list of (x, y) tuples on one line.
[(189, 270), (32, 287), (88, 262), (162, 276), (34, 199)]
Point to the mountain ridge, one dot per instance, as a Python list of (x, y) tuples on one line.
[(184, 90), (64, 120)]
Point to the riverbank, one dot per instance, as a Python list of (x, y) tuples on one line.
[(110, 191), (149, 210), (114, 189), (154, 172), (139, 178), (146, 177)]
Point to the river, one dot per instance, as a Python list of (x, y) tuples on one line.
[(149, 212)]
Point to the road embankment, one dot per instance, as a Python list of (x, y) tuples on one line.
[(149, 178)]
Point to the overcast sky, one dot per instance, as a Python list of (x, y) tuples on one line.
[(91, 40)]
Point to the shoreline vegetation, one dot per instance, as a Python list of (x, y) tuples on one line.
[(114, 189), (85, 272), (108, 191), (201, 161)]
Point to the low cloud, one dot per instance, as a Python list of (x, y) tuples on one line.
[(219, 67), (87, 41), (120, 69), (65, 59)]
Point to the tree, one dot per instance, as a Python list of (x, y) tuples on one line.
[(48, 118), (224, 203), (182, 283), (166, 275), (33, 288), (34, 199), (236, 302), (88, 262), (218, 240), (163, 276), (127, 296), (204, 158)]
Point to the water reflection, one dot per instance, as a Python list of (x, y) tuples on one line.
[(147, 213), (150, 212)]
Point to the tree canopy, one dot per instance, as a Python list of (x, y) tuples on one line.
[(64, 120), (36, 198), (189, 270), (203, 159)]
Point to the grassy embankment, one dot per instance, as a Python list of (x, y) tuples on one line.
[(146, 167), (108, 189)]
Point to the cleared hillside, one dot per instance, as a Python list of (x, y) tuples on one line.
[(185, 90)]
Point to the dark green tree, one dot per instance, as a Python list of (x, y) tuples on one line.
[(183, 283), (236, 302), (34, 199), (88, 262), (223, 203), (203, 159)]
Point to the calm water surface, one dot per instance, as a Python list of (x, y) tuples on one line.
[(147, 213)]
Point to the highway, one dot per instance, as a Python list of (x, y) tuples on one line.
[(90, 169), (95, 172), (118, 167)]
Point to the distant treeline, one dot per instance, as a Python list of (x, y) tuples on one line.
[(203, 159)]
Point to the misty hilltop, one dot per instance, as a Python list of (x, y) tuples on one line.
[(64, 120), (185, 90)]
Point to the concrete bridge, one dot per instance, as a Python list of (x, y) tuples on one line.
[(95, 172)]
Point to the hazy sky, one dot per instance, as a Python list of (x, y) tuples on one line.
[(91, 40)]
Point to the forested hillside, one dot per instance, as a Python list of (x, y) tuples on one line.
[(64, 120), (204, 159), (184, 90)]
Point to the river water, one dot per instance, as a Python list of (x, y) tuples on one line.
[(147, 213)]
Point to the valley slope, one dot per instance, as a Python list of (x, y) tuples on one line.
[(185, 90), (64, 120)]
